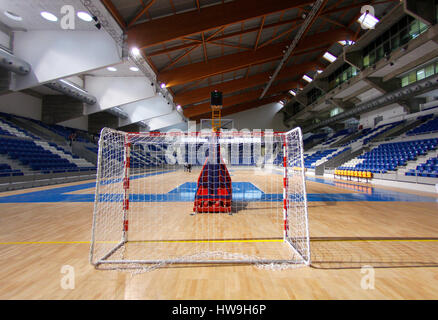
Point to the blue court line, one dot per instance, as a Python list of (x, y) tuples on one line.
[(242, 191), (377, 194)]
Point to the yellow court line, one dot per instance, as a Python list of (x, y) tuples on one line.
[(141, 241), (47, 242), (207, 241), (376, 240), (215, 241)]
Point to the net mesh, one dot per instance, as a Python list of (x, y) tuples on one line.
[(227, 197)]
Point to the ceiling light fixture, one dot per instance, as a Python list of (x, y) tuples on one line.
[(329, 57), (163, 85), (292, 93), (13, 16), (84, 16), (112, 69), (135, 51), (307, 78), (368, 20), (346, 42), (49, 16), (134, 69)]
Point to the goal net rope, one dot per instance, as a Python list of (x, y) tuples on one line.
[(226, 197)]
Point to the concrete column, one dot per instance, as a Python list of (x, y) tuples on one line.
[(59, 108), (97, 121)]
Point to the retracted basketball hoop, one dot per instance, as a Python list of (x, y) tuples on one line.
[(214, 190), (216, 108)]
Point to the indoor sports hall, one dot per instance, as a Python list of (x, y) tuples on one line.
[(218, 150)]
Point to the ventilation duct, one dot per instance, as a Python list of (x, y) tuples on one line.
[(21, 67), (70, 89), (144, 125), (13, 64), (116, 111)]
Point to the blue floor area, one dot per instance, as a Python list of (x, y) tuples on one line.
[(242, 191)]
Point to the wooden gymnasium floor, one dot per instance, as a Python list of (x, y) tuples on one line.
[(351, 225)]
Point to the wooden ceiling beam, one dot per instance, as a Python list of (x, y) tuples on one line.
[(224, 36), (238, 99), (232, 62), (141, 13), (241, 107), (202, 94), (109, 5), (169, 28)]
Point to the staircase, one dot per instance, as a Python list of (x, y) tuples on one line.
[(14, 164), (346, 139), (81, 163), (407, 127), (324, 160), (397, 130), (18, 133), (412, 165), (38, 130), (342, 158)]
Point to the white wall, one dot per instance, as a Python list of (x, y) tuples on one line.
[(60, 54), (21, 104), (116, 91), (145, 109), (77, 123), (393, 110), (264, 117), (5, 40)]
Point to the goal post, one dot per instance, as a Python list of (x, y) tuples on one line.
[(150, 188)]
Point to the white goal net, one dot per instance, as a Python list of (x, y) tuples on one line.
[(227, 197)]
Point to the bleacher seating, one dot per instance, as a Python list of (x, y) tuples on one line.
[(389, 156), (93, 149), (363, 133), (11, 129), (309, 161), (312, 138), (338, 153), (384, 128), (4, 132), (37, 158), (428, 127), (7, 171), (64, 132), (359, 174), (427, 169), (343, 132)]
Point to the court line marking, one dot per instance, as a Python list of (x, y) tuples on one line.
[(141, 241), (216, 241)]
